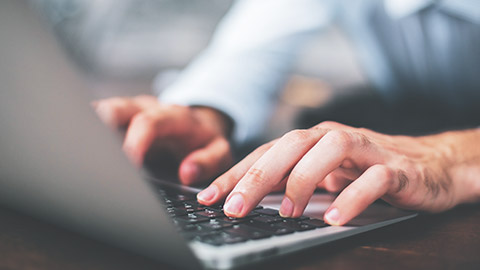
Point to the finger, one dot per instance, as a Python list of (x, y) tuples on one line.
[(226, 182), (370, 186), (327, 155), (146, 101), (116, 112), (280, 186), (339, 178), (336, 181), (155, 124), (140, 135), (206, 162), (269, 170)]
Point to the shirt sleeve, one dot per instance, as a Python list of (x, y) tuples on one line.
[(246, 63)]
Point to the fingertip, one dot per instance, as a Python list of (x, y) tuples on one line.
[(104, 112), (234, 205), (332, 217), (286, 208), (208, 196), (189, 172)]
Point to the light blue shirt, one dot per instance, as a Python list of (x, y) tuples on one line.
[(409, 48)]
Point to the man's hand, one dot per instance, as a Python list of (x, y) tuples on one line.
[(196, 135), (431, 173)]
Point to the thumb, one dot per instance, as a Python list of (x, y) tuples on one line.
[(206, 163)]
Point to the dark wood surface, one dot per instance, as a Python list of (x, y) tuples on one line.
[(450, 240)]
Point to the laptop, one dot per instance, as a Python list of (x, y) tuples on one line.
[(59, 163)]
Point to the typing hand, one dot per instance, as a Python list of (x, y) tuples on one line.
[(197, 135), (408, 172)]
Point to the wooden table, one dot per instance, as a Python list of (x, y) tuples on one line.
[(449, 240)]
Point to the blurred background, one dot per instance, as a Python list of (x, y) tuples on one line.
[(124, 47)]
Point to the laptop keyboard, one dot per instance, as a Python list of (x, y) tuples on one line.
[(208, 224)]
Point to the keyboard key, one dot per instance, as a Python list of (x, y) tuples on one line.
[(222, 238), (216, 207), (175, 212), (189, 227), (318, 223), (189, 207), (268, 219), (210, 214), (301, 218), (216, 225), (192, 218), (240, 220), (272, 228), (180, 198), (235, 220), (167, 202), (209, 224), (248, 232), (267, 211), (295, 225)]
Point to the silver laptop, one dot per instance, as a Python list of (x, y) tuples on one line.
[(58, 162)]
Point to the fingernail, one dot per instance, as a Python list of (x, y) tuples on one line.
[(286, 209), (208, 194), (235, 204), (332, 216)]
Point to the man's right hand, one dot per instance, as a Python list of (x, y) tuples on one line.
[(196, 135)]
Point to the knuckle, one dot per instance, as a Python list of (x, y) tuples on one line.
[(319, 130), (296, 136), (256, 177), (342, 139), (144, 119), (328, 125), (364, 131), (362, 139), (383, 171), (384, 174)]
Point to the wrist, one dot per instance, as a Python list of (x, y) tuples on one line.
[(214, 119), (462, 164)]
